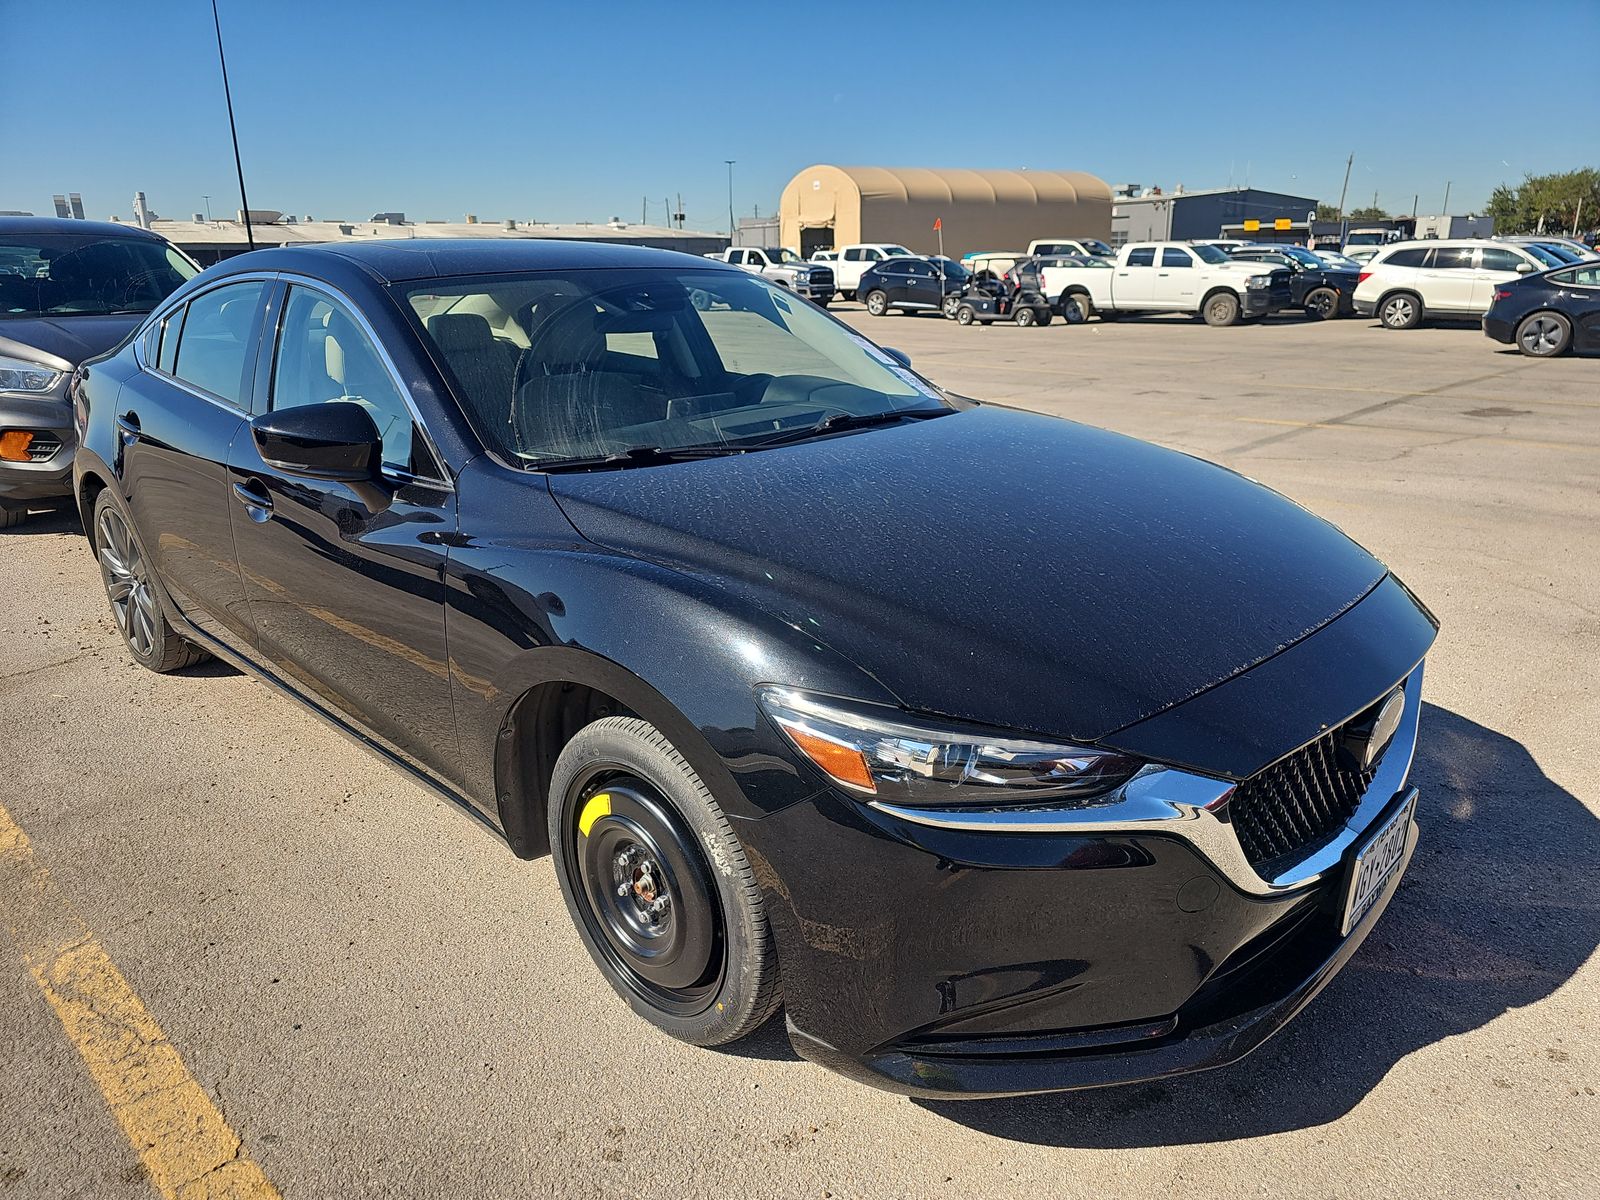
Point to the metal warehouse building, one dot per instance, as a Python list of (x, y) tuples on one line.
[(1179, 215), (826, 206)]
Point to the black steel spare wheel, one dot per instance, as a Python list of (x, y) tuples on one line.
[(659, 886)]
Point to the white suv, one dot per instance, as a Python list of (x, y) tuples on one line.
[(1410, 281)]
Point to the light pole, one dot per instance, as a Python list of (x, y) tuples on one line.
[(730, 162), (207, 199)]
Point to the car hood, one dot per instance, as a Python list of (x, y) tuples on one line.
[(65, 341), (994, 565)]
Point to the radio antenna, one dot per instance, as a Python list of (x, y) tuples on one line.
[(222, 60)]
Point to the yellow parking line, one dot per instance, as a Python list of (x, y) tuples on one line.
[(186, 1146)]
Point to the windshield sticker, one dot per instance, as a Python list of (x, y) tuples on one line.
[(906, 375), (875, 351)]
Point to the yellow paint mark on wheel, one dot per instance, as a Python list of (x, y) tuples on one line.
[(187, 1148), (597, 807)]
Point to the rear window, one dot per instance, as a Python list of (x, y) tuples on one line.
[(1412, 257)]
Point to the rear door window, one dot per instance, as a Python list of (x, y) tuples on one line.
[(213, 350), (1171, 256)]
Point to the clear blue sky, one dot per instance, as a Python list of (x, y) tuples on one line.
[(575, 112)]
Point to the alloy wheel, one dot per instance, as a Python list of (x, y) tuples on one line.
[(1397, 312), (127, 583), (1542, 336)]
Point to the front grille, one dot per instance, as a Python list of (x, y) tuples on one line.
[(1297, 805), (43, 447), (821, 277)]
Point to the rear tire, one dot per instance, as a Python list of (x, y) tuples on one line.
[(1403, 310), (1322, 303), (1079, 301), (964, 315), (134, 594), (1024, 316), (1221, 309), (877, 303), (12, 516), (658, 885), (1544, 335)]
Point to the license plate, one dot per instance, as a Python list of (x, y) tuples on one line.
[(1377, 862)]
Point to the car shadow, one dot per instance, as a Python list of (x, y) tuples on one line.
[(1496, 912), (47, 516)]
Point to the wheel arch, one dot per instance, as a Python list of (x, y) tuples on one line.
[(1217, 289), (562, 689), (1391, 293), (86, 491)]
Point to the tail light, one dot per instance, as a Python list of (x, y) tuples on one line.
[(1502, 293), (1363, 277)]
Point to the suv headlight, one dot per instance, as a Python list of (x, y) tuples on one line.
[(20, 375), (891, 755), (1258, 281)]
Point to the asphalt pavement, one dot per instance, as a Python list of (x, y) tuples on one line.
[(361, 992)]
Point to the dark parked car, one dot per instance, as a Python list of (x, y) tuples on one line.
[(69, 290), (1321, 289), (1006, 754), (910, 285), (1548, 314)]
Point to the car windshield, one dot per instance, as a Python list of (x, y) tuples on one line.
[(897, 252), (1209, 254), (75, 274), (1558, 251), (1094, 246), (1545, 255), (1304, 257), (781, 255), (951, 268), (606, 364)]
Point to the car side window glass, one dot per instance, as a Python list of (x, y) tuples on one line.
[(213, 346), (1407, 258), (167, 355), (1451, 258), (852, 255), (874, 256), (1496, 259), (323, 356), (1583, 277), (1145, 256), (1173, 257)]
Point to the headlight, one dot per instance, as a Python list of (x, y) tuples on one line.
[(19, 375), (891, 755), (1258, 281)]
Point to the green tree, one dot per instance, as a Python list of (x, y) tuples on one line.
[(1369, 213), (1558, 202), (1327, 212)]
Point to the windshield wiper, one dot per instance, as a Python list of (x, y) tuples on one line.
[(636, 456), (843, 421)]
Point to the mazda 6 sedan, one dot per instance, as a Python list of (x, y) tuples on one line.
[(1005, 754)]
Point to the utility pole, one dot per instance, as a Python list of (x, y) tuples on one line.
[(1348, 163), (731, 226), (1415, 196), (678, 212), (644, 211), (207, 199), (1446, 211)]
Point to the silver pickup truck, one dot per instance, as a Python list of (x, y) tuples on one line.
[(785, 268)]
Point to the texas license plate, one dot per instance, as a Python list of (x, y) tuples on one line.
[(1377, 862)]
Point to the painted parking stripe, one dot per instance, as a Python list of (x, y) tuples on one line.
[(187, 1148)]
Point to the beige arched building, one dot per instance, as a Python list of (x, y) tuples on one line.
[(826, 206)]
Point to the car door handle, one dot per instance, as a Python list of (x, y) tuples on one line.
[(255, 500)]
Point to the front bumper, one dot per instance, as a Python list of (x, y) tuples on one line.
[(1258, 302), (1028, 950), (46, 477)]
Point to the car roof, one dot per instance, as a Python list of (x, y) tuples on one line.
[(442, 258), (32, 225)]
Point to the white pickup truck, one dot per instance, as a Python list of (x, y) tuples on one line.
[(785, 268), (855, 259), (1169, 277), (1083, 247)]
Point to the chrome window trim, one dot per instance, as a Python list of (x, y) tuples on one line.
[(353, 310), (161, 314), (1182, 804)]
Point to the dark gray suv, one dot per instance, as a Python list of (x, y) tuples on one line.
[(69, 290)]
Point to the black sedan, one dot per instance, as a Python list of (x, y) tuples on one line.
[(1549, 313), (1319, 288), (69, 290), (911, 285), (1005, 754)]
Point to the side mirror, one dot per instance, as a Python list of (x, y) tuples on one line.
[(900, 356), (1524, 268), (337, 441)]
